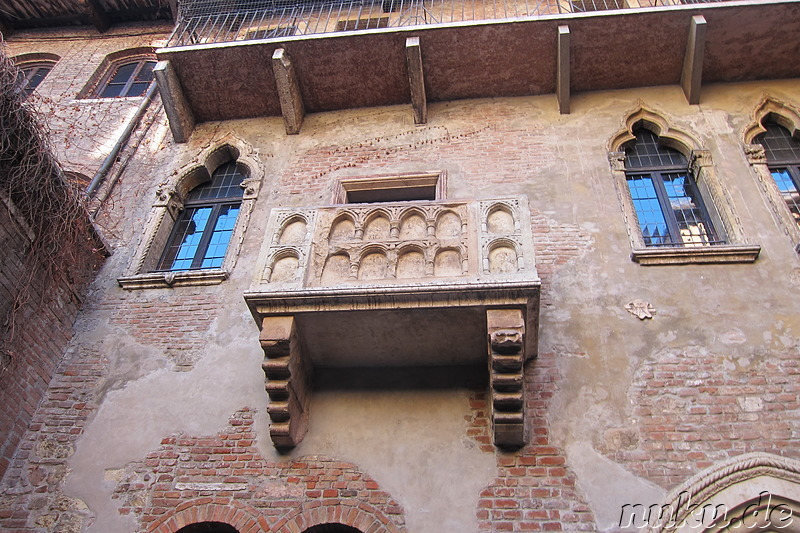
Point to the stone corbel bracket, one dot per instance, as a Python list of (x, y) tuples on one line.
[(288, 382), (506, 329)]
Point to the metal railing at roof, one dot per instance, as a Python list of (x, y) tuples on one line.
[(219, 21)]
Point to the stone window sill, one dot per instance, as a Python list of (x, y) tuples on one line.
[(165, 280), (732, 253)]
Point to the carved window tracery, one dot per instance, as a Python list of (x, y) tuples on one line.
[(784, 121), (710, 204), (211, 259)]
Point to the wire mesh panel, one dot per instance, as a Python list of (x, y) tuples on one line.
[(215, 21)]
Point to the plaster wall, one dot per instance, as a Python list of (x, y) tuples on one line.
[(618, 408)]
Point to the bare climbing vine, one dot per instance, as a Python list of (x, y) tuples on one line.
[(53, 209)]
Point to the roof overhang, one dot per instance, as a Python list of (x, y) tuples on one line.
[(743, 41)]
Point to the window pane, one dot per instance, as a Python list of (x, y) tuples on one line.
[(137, 89), (31, 76), (778, 143), (186, 238), (220, 237), (651, 218), (224, 184), (687, 208), (646, 152), (789, 190), (123, 74), (146, 72)]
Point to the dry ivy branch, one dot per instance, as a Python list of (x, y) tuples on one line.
[(53, 209)]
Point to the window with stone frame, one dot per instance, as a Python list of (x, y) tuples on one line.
[(669, 207), (125, 73), (783, 160), (197, 223), (201, 235), (677, 209)]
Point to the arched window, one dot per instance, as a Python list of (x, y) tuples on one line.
[(668, 204), (203, 230), (31, 75), (783, 159), (130, 78)]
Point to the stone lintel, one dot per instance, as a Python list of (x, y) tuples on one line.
[(289, 95), (562, 76), (691, 78), (506, 338), (179, 113), (416, 80)]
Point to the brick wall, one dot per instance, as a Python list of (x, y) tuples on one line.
[(698, 406), (226, 470), (39, 330)]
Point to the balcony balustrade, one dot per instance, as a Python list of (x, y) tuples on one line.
[(213, 21)]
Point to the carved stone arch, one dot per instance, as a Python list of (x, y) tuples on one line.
[(238, 515), (408, 267), (658, 124), (371, 217), (783, 113), (375, 262), (787, 116), (733, 484), (405, 216), (503, 265), (490, 223), (359, 515), (293, 219), (285, 266), (340, 229), (170, 196)]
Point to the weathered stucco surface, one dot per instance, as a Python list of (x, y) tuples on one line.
[(718, 357)]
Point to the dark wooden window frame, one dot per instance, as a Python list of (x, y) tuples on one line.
[(132, 78)]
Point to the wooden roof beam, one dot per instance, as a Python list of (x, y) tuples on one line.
[(97, 15), (692, 76)]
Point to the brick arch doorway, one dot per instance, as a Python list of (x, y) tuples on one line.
[(208, 527), (332, 528)]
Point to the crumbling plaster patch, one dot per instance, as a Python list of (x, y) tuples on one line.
[(145, 406)]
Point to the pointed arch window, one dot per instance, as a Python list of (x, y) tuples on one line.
[(783, 160), (669, 207), (30, 75), (201, 234)]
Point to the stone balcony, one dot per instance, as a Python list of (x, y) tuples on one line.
[(424, 285)]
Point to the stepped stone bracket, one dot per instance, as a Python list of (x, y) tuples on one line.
[(506, 329), (288, 380)]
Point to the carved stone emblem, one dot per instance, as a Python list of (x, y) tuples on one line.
[(641, 309)]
